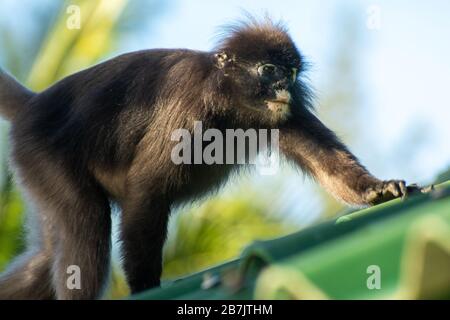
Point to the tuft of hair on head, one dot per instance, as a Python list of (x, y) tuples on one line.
[(257, 39)]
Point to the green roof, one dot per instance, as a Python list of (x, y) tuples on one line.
[(396, 250)]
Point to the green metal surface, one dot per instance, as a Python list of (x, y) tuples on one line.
[(405, 244)]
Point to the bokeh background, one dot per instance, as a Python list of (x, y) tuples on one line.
[(380, 71)]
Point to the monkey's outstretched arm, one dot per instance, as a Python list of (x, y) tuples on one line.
[(318, 151)]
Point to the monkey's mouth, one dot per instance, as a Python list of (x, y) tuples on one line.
[(281, 97), (281, 102), (277, 106), (277, 101)]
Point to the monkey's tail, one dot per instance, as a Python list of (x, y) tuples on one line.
[(13, 96), (28, 278)]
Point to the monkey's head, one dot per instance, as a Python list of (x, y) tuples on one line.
[(261, 64)]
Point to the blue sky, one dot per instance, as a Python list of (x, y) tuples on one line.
[(403, 69)]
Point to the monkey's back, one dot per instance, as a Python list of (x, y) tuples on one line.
[(100, 113)]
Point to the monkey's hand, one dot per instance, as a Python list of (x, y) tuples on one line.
[(387, 190)]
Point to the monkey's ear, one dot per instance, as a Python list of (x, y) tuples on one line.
[(223, 59)]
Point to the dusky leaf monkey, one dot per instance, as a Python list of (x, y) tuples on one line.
[(103, 135)]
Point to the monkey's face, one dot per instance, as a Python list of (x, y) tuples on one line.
[(265, 87), (262, 65), (273, 86)]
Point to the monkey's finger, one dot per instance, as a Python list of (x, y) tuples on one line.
[(427, 189), (372, 196), (403, 189), (390, 190), (393, 189)]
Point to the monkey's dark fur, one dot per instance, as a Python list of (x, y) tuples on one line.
[(104, 134)]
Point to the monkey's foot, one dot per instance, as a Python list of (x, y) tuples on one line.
[(391, 189)]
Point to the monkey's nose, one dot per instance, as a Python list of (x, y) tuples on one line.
[(281, 85)]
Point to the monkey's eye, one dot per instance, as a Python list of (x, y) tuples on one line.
[(294, 74), (267, 69)]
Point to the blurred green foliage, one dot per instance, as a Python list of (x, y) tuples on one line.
[(11, 224), (218, 230)]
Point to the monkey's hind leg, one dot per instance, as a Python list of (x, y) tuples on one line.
[(83, 241), (28, 277), (79, 216)]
